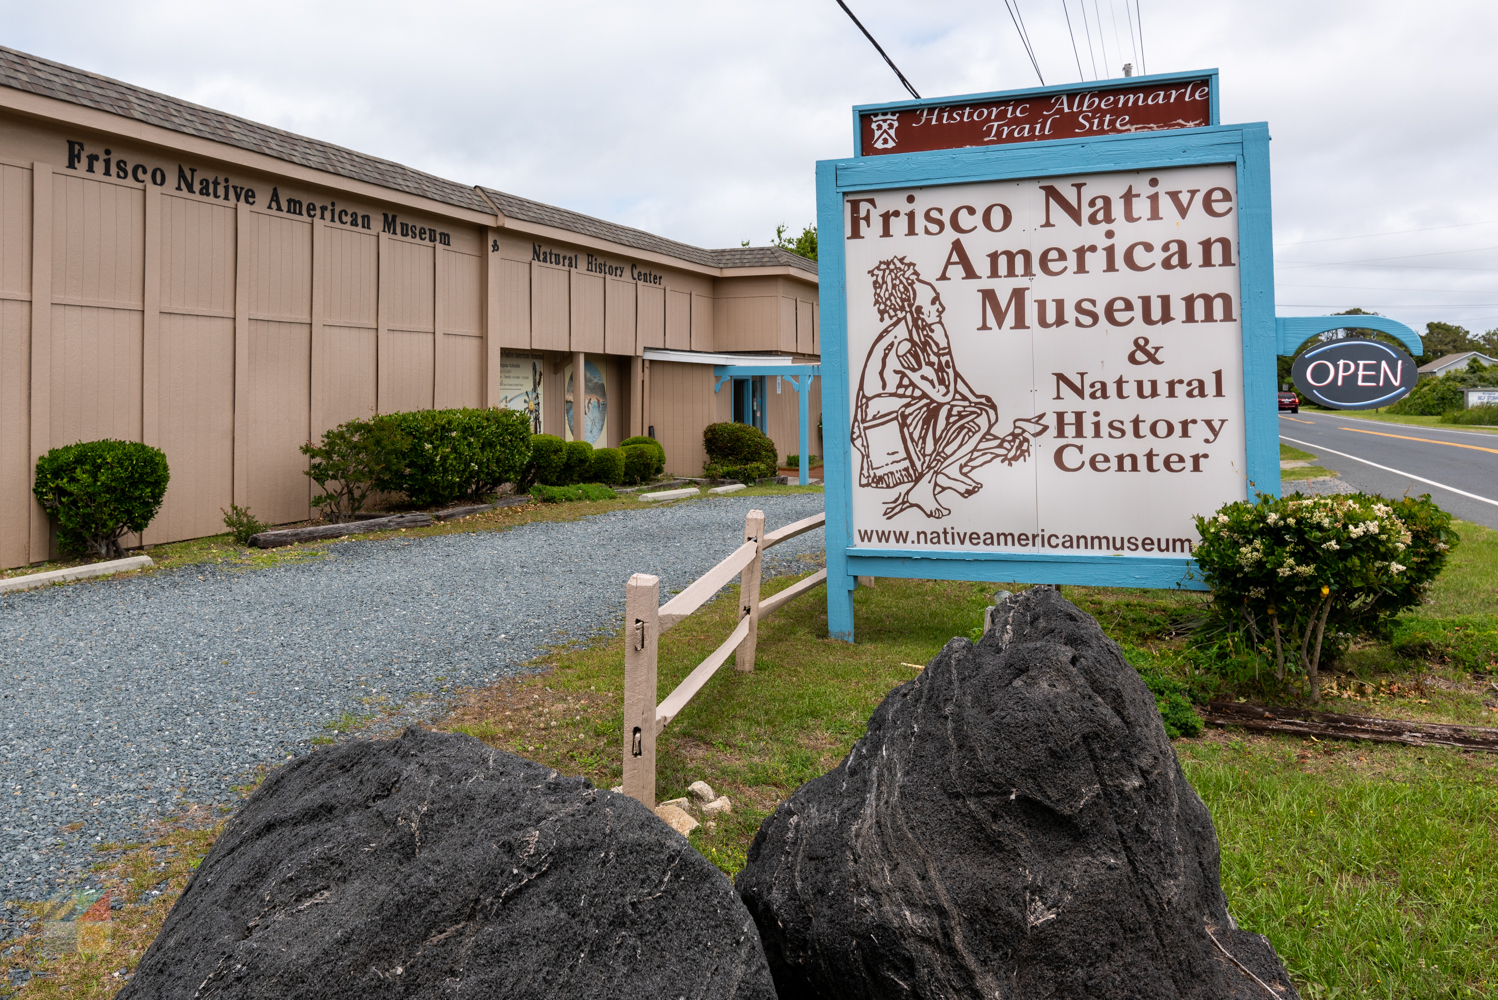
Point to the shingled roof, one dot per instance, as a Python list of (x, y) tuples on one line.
[(20, 71), (516, 207), (34, 75)]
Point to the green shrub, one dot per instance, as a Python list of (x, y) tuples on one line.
[(1286, 570), (794, 461), (442, 455), (241, 523), (99, 490), (738, 452), (655, 446), (1432, 397), (639, 463), (608, 466), (548, 457), (1485, 414), (570, 494), (577, 466), (503, 440), (352, 458)]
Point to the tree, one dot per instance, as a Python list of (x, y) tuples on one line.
[(1442, 339), (805, 244)]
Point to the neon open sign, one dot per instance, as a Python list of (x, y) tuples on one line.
[(1355, 374)]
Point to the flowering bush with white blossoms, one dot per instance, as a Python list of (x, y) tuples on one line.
[(1284, 569)]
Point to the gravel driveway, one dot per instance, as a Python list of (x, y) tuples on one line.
[(122, 701)]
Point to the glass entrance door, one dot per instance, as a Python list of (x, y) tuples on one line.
[(749, 401)]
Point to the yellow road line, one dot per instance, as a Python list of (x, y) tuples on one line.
[(1404, 437), (1298, 420)]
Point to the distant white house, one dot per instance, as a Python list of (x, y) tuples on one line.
[(1453, 362)]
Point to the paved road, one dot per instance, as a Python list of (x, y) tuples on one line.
[(1460, 466)]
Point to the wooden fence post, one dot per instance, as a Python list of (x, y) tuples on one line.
[(754, 531), (642, 598)]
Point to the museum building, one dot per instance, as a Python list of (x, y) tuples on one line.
[(226, 291)]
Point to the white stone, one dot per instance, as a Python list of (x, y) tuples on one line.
[(618, 788), (676, 818), (718, 805), (682, 803), (75, 573), (690, 491), (728, 489), (702, 792)]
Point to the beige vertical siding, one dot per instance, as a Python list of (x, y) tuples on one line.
[(786, 341), (805, 342), (619, 317), (196, 417), (651, 313), (194, 366), (682, 403), (98, 246), (460, 382), (15, 436), (551, 307), (15, 231), (276, 385), (15, 364), (702, 323), (678, 320), (514, 306), (98, 282), (587, 313), (347, 367), (407, 355)]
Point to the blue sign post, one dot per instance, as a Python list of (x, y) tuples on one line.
[(1041, 359)]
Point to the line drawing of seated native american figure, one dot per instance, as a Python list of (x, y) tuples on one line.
[(917, 423)]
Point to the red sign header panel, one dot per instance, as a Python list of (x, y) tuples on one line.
[(996, 122)]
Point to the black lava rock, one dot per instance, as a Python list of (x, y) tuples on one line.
[(1014, 824), (434, 865)]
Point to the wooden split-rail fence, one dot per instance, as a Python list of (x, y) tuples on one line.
[(646, 619)]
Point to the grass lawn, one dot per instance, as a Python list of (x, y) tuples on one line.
[(1372, 868), (1289, 454)]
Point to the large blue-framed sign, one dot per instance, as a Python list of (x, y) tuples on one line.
[(1042, 360)]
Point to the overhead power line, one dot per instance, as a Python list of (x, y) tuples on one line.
[(1080, 75), (880, 50), (1392, 232), (1090, 53), (1372, 260), (1024, 37), (1143, 59)]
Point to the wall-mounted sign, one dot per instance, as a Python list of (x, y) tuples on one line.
[(521, 384), (1141, 104), (595, 403), (1355, 374)]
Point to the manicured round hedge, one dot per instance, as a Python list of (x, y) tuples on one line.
[(99, 491)]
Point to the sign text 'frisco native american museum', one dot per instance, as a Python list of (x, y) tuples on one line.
[(1051, 342)]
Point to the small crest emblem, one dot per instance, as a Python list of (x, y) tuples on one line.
[(884, 130)]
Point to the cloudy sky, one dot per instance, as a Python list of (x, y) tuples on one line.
[(701, 121)]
